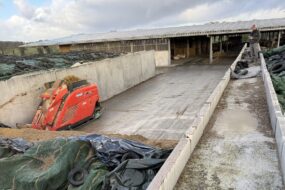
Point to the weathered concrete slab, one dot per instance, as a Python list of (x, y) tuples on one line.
[(163, 107), (238, 148), (277, 118), (280, 135), (282, 161)]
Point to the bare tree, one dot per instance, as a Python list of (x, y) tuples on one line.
[(8, 45)]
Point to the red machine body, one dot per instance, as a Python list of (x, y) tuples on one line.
[(67, 106)]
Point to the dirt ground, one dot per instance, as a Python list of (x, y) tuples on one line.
[(34, 135), (238, 149), (166, 144)]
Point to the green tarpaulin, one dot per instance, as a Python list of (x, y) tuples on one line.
[(46, 166), (78, 163)]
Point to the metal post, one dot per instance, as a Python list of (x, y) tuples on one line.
[(169, 52), (156, 46), (108, 46), (187, 49), (278, 40), (132, 47), (221, 44), (211, 50), (199, 46)]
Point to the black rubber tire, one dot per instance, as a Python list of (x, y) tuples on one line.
[(277, 68), (72, 176)]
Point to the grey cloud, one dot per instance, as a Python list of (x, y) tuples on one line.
[(113, 14), (245, 6), (105, 15), (41, 15), (26, 10), (65, 17), (88, 15), (222, 10)]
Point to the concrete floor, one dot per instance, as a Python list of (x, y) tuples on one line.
[(163, 107), (238, 149)]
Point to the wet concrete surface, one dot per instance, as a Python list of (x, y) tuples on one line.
[(162, 107), (238, 149)]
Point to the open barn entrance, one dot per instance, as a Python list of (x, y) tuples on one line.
[(185, 49)]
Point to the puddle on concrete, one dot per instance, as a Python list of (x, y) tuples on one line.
[(236, 120)]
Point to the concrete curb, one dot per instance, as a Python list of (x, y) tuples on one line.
[(168, 175), (277, 119)]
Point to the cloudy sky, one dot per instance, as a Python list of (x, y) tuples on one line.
[(31, 20)]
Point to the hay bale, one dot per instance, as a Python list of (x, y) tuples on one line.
[(68, 80)]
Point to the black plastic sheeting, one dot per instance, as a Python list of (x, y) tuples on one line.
[(9, 147), (132, 174), (4, 126), (113, 151), (15, 145), (245, 68), (131, 165)]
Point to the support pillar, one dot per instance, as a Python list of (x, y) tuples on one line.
[(211, 50), (200, 46), (108, 47), (187, 49), (221, 45), (169, 52), (132, 47), (156, 46), (278, 40)]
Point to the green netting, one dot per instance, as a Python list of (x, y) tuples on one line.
[(274, 51), (46, 166), (5, 152), (275, 60)]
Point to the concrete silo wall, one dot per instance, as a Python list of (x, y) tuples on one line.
[(20, 95)]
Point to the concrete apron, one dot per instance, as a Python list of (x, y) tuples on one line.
[(169, 173), (277, 118)]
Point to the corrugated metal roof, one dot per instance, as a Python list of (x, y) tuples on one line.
[(213, 28)]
